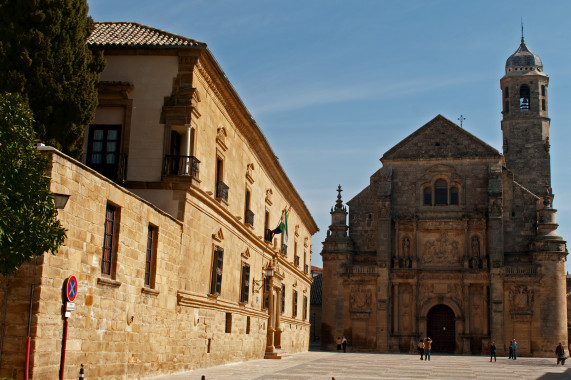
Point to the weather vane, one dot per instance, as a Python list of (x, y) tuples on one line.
[(461, 118), (522, 29)]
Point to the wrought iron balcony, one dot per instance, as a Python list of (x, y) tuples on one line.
[(268, 235), (181, 166), (284, 250), (296, 259), (115, 167), (306, 269), (222, 191), (249, 218)]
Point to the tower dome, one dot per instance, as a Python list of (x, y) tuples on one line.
[(523, 60)]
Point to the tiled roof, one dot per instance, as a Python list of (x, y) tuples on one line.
[(131, 34), (316, 290)]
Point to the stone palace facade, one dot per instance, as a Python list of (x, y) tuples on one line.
[(167, 228), (453, 239)]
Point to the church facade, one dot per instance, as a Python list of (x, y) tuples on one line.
[(453, 239)]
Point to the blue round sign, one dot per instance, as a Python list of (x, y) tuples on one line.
[(71, 288)]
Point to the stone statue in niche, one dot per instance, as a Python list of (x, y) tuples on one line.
[(496, 208), (384, 209), (406, 247), (475, 246)]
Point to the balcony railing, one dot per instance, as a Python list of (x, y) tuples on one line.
[(296, 260), (181, 166), (306, 269), (284, 250), (268, 235), (222, 191), (115, 171), (250, 218), (523, 270)]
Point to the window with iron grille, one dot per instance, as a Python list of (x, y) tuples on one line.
[(283, 298), (266, 293), (304, 308), (245, 291), (228, 328), (217, 263), (296, 259), (248, 214), (109, 242), (151, 257), (294, 304)]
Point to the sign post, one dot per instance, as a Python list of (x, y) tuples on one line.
[(70, 286)]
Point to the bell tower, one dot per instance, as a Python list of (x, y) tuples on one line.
[(525, 122)]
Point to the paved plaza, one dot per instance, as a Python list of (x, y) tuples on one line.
[(320, 365)]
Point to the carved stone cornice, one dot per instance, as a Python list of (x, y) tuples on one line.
[(226, 96)]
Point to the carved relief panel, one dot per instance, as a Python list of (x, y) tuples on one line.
[(441, 248)]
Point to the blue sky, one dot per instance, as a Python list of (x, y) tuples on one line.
[(335, 84)]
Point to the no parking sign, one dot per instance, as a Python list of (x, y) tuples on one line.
[(71, 288)]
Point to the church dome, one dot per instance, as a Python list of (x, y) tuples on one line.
[(523, 60)]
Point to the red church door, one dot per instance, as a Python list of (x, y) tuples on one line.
[(441, 328)]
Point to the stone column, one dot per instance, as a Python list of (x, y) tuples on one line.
[(270, 349), (277, 313), (188, 148)]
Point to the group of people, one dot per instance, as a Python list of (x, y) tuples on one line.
[(424, 348), (341, 343)]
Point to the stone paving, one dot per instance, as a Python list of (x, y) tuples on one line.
[(321, 365)]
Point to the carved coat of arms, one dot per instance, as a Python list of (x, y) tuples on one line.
[(360, 299)]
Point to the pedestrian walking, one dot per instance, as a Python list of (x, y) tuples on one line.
[(344, 344), (514, 345), (493, 352), (511, 350), (560, 353), (338, 343), (427, 348), (421, 349)]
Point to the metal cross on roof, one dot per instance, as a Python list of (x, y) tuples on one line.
[(461, 118)]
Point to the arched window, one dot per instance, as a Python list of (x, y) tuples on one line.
[(440, 192), (428, 196), (524, 98), (453, 195), (506, 93)]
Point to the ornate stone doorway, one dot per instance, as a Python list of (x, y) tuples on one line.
[(441, 328)]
